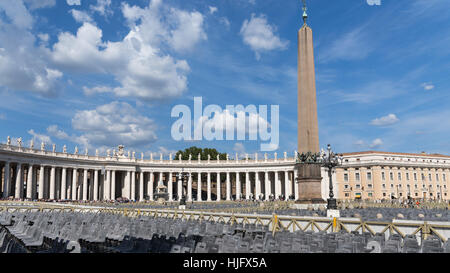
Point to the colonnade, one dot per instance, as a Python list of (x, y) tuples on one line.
[(53, 182)]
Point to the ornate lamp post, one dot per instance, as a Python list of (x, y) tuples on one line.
[(181, 179), (328, 160)]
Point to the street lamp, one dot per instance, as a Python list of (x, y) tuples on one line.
[(330, 161), (181, 179)]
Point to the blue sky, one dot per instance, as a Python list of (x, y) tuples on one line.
[(99, 73)]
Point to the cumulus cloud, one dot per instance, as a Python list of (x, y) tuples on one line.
[(73, 2), (102, 7), (81, 16), (384, 121), (39, 138), (376, 143), (139, 62), (260, 35), (239, 148), (39, 4), (110, 125)]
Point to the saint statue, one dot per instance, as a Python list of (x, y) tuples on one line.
[(8, 142), (65, 149), (42, 146), (32, 144)]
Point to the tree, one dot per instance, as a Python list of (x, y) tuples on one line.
[(195, 151)]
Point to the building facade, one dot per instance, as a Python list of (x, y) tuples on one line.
[(28, 173), (386, 175)]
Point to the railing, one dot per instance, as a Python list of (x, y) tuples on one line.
[(275, 223)]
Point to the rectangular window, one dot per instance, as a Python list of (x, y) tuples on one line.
[(383, 176), (384, 194), (347, 194), (407, 176), (384, 186), (346, 177), (416, 186), (369, 186), (443, 177), (346, 187), (437, 177), (399, 176), (370, 194), (416, 194), (423, 177), (391, 176), (357, 176), (369, 176), (358, 186), (415, 176), (392, 186), (429, 176)]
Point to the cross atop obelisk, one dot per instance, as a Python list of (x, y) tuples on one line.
[(308, 131)]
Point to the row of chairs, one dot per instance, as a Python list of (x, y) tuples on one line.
[(61, 232)]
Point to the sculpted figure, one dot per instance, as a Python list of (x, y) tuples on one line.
[(86, 151), (19, 142), (32, 144), (42, 146), (76, 150), (54, 148), (108, 152), (65, 149), (96, 152), (8, 142)]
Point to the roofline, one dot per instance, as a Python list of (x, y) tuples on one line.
[(393, 153)]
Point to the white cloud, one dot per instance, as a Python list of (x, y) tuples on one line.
[(39, 138), (240, 149), (384, 121), (260, 36), (73, 2), (17, 13), (428, 86), (212, 10), (376, 143), (81, 16), (111, 125), (98, 89), (225, 21), (38, 4), (138, 62), (102, 7)]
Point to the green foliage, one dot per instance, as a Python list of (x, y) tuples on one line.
[(195, 151)]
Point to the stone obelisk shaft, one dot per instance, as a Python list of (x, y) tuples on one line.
[(308, 131), (309, 175)]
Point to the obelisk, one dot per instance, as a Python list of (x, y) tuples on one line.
[(309, 175)]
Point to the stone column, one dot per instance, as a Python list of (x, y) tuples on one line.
[(34, 183), (189, 189), (58, 184), (95, 185), (19, 181), (7, 181), (152, 185), (277, 185), (133, 186), (228, 187), (199, 187), (287, 184), (74, 184), (107, 186), (296, 193), (52, 183), (258, 186), (113, 185), (180, 188), (64, 184), (238, 186), (141, 186), (218, 187), (209, 187), (247, 186), (85, 185), (41, 183), (170, 187), (268, 190), (30, 182)]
